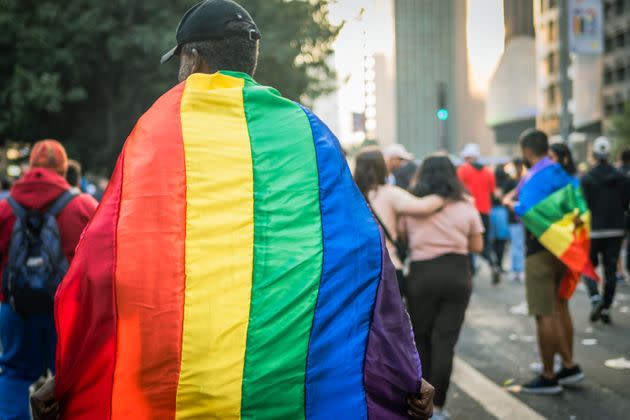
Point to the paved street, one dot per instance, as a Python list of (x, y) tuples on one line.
[(498, 344)]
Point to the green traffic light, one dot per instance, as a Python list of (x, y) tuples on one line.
[(442, 114)]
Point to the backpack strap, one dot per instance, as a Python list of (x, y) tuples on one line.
[(19, 211), (61, 202)]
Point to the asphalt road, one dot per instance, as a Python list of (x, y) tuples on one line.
[(498, 341)]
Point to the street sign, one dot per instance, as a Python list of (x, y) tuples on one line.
[(586, 26)]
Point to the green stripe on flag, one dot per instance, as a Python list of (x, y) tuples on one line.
[(550, 210), (288, 253)]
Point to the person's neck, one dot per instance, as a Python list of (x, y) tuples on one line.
[(537, 159)]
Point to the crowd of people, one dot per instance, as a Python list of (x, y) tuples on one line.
[(435, 247), (437, 216), (435, 222)]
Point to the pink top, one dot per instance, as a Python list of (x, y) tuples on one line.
[(444, 232), (390, 203)]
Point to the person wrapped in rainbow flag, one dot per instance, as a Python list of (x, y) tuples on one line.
[(233, 269), (554, 213)]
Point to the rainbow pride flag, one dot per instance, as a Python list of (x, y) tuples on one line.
[(550, 202), (233, 270)]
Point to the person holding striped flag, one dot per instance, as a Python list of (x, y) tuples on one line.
[(233, 268), (557, 220)]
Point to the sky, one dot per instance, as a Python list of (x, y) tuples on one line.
[(374, 33)]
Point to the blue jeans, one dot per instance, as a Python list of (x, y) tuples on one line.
[(28, 350), (517, 236)]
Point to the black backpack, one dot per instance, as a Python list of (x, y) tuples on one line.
[(36, 263)]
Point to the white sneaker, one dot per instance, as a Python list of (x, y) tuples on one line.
[(537, 367), (440, 414)]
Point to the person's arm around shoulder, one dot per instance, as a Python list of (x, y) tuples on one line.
[(405, 203), (475, 233)]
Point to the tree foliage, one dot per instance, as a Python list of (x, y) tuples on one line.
[(621, 128), (83, 71)]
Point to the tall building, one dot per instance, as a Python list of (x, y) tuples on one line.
[(425, 60), (616, 77), (549, 101), (511, 106), (432, 74), (385, 99), (599, 86)]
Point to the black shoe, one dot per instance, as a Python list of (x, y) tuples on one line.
[(542, 385), (496, 276), (596, 310), (605, 316), (570, 376)]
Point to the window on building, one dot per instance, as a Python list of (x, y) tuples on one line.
[(621, 107), (551, 63), (609, 109), (551, 95), (551, 31), (620, 40), (608, 76), (621, 73), (607, 8), (619, 6), (608, 44)]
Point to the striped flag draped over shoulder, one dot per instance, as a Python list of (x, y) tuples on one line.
[(550, 203), (233, 270)]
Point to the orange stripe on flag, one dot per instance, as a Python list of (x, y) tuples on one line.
[(150, 277)]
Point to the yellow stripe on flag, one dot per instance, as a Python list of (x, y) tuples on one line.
[(219, 247), (559, 236)]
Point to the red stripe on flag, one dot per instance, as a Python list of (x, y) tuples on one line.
[(577, 259), (85, 316)]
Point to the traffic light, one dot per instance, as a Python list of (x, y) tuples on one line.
[(442, 109)]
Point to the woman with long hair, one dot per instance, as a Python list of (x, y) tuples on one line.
[(439, 282), (389, 202), (560, 153)]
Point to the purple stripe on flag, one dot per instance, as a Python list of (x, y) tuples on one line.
[(392, 370)]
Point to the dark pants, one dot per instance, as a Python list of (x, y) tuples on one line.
[(28, 350), (498, 251), (438, 292), (486, 253), (609, 249)]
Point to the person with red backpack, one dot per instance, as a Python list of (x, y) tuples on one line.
[(41, 222)]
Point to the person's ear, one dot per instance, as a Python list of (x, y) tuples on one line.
[(197, 62)]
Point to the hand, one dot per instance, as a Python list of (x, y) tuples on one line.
[(578, 222), (421, 406), (509, 199), (43, 402)]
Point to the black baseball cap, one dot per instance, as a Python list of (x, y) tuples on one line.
[(208, 20)]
